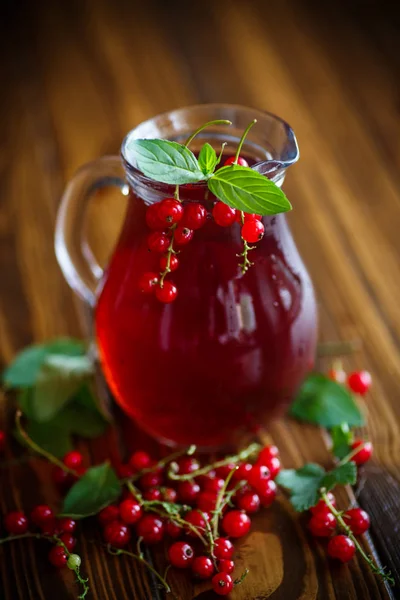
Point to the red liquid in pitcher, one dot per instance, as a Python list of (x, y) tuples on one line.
[(228, 353)]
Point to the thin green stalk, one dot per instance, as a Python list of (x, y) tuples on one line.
[(161, 463), (351, 455), (249, 126), (216, 122), (219, 502), (140, 558)]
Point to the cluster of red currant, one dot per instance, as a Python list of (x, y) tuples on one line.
[(173, 225)]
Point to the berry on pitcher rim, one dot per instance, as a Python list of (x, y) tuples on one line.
[(240, 161)]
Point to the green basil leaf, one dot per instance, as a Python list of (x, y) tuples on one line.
[(326, 403), (59, 378), (24, 370), (98, 488), (342, 475), (245, 189), (165, 161), (342, 437), (303, 485), (207, 159)]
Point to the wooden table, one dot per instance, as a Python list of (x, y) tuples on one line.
[(77, 76)]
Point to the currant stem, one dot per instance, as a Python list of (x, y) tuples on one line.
[(170, 252), (351, 455), (221, 153), (217, 122), (161, 464), (119, 551), (38, 449), (338, 515), (241, 578), (246, 131)]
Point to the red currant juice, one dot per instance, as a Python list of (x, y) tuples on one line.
[(228, 353)]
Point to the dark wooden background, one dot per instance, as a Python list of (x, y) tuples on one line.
[(75, 77)]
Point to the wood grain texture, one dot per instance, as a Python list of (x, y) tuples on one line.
[(76, 76)]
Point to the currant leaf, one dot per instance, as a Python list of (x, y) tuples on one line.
[(303, 485), (342, 475), (342, 438)]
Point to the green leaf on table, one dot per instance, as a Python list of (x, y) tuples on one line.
[(341, 475), (325, 403), (342, 437), (303, 485), (59, 378), (97, 488), (24, 369), (164, 161), (207, 159), (245, 189)]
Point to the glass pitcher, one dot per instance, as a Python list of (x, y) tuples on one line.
[(230, 352)]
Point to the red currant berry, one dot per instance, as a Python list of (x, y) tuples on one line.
[(108, 514), (358, 520), (140, 460), (247, 217), (151, 529), (58, 557), (152, 494), (323, 524), (249, 502), (148, 282), (222, 584), (225, 470), (266, 491), (152, 219), (50, 527), (337, 375), (68, 540), (170, 211), (321, 506), (257, 475), (240, 161), (41, 514), (173, 529), (252, 231), (66, 525), (181, 555), (130, 511), (167, 293), (158, 241), (214, 485), (194, 216), (151, 479), (16, 522), (267, 453), (223, 214), (169, 495), (62, 479), (187, 465), (342, 548), (202, 567), (242, 473), (73, 459), (2, 440), (173, 263), (117, 534), (364, 454), (206, 501), (124, 471), (226, 566), (188, 491), (359, 382), (236, 523), (223, 548), (201, 479), (197, 520), (274, 466), (183, 235)]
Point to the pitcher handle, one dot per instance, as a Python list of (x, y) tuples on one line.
[(75, 257)]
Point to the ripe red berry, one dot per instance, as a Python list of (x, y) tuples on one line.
[(158, 241), (322, 524), (252, 231), (359, 382), (130, 511), (173, 263), (148, 282), (167, 293), (198, 520), (222, 584), (173, 529), (214, 484), (249, 502), (202, 567), (188, 491), (236, 523), (108, 514), (152, 494), (50, 527), (58, 557), (117, 534), (223, 548), (225, 470), (257, 475), (225, 565), (16, 522), (183, 235), (274, 466), (266, 454), (41, 514), (240, 161), (321, 506), (152, 219), (223, 214), (140, 460), (242, 473), (247, 217), (341, 547), (66, 525), (206, 501), (2, 440), (188, 464), (68, 540), (124, 470), (169, 494), (151, 479), (337, 375), (266, 491), (150, 528), (194, 216), (170, 211), (357, 519), (62, 480), (73, 460), (365, 452), (181, 555)]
